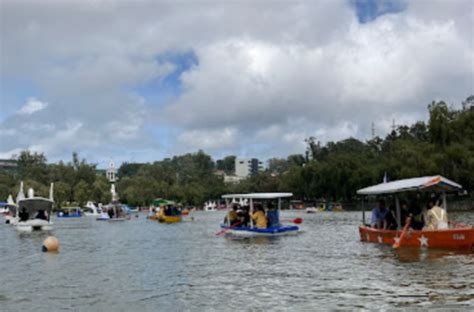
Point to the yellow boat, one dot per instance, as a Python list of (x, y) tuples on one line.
[(168, 219)]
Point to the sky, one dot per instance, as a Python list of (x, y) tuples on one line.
[(138, 81)]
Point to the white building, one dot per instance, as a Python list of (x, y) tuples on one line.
[(245, 167)]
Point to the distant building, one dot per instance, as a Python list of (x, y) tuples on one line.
[(246, 167), (232, 179), (9, 165)]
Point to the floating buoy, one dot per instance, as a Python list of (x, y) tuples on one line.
[(50, 244)]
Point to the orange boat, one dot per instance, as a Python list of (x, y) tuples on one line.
[(457, 236)]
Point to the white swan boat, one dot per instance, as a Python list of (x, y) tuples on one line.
[(91, 210), (210, 206)]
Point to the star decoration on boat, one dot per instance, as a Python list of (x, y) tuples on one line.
[(380, 240), (423, 241), (396, 239)]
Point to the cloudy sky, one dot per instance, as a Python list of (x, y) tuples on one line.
[(142, 80)]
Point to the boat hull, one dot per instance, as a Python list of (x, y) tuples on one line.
[(90, 214), (169, 219), (254, 232), (455, 238), (34, 225)]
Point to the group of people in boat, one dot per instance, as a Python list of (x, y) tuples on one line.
[(112, 212), (172, 211), (24, 216), (240, 216), (434, 217)]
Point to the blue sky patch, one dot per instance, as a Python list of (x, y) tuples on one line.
[(162, 90), (369, 10)]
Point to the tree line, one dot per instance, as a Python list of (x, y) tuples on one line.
[(333, 171)]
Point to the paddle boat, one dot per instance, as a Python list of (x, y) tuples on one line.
[(9, 210), (169, 213), (115, 211), (69, 212), (210, 206), (252, 231), (33, 213), (91, 210), (457, 236)]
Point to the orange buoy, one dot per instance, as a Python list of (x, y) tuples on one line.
[(51, 244)]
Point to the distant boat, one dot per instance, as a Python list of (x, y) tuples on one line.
[(33, 213), (69, 212), (311, 210), (91, 210), (210, 206)]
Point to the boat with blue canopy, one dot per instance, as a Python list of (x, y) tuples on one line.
[(69, 212), (251, 230)]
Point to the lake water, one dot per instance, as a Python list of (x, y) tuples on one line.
[(141, 265)]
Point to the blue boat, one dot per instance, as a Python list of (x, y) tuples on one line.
[(251, 231), (69, 212)]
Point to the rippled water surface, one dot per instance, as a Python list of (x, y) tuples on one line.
[(143, 265)]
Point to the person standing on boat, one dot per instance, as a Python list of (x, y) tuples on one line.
[(436, 217), (379, 213), (259, 217)]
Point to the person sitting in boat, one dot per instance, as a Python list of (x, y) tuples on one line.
[(110, 212), (259, 217), (378, 220), (404, 212), (232, 217), (244, 216), (41, 215), (391, 218), (23, 215), (272, 216), (436, 217), (417, 219)]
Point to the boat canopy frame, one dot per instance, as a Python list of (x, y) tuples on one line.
[(252, 196), (436, 184)]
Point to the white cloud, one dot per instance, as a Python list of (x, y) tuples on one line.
[(268, 74), (207, 139), (31, 106)]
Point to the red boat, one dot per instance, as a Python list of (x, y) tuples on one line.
[(458, 236)]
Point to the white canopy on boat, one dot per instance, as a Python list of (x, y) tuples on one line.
[(430, 183), (259, 195)]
